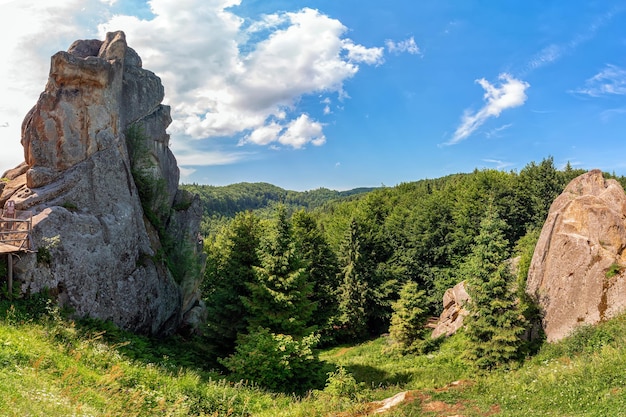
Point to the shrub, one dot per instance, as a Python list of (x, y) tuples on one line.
[(277, 362), (614, 269), (341, 383), (44, 256)]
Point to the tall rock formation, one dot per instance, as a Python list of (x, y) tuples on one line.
[(120, 238), (577, 271)]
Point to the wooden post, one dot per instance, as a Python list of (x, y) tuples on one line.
[(10, 275)]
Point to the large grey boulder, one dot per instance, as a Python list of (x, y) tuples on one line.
[(577, 271), (120, 239)]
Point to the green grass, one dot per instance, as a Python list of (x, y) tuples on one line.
[(51, 366)]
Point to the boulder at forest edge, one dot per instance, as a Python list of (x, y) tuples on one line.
[(577, 271)]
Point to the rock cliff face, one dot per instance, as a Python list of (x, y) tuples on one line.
[(577, 271), (120, 238)]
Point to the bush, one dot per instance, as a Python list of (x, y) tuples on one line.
[(277, 362), (614, 269), (341, 383)]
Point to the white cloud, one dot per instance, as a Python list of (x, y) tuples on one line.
[(511, 93), (554, 52), (546, 56), (224, 76), (264, 135), (218, 90), (608, 114), (610, 81), (405, 46), (359, 53), (186, 173), (187, 155), (210, 158), (498, 163), (496, 132), (31, 31), (302, 131)]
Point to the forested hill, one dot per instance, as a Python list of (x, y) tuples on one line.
[(221, 202), (348, 260)]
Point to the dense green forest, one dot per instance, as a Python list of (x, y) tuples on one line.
[(222, 203), (344, 271)]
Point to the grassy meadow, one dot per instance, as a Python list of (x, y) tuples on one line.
[(52, 366)]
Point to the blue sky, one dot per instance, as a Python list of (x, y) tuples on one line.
[(344, 94)]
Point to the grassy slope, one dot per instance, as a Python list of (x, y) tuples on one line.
[(49, 367)]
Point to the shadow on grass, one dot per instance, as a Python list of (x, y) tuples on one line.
[(375, 377), (171, 352)]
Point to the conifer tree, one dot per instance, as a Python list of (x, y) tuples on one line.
[(321, 264), (279, 298), (230, 270), (495, 324), (353, 292), (410, 313)]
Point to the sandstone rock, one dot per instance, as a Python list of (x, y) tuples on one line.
[(105, 251), (454, 311), (582, 239)]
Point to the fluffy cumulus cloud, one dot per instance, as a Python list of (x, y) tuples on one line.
[(508, 94), (301, 131), (610, 81), (224, 76)]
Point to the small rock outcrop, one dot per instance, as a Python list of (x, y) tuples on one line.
[(577, 272), (451, 319), (120, 239)]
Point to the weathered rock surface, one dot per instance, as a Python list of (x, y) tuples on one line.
[(583, 238), (111, 256), (451, 319)]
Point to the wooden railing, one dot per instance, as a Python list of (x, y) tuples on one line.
[(15, 228)]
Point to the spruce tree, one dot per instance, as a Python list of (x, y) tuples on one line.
[(232, 257), (321, 265), (353, 292), (495, 325), (279, 297), (410, 313)]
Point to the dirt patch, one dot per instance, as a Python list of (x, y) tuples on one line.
[(438, 408), (342, 352)]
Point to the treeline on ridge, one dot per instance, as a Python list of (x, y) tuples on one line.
[(221, 203)]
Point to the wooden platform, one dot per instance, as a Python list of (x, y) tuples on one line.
[(15, 228), (15, 231), (6, 248)]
